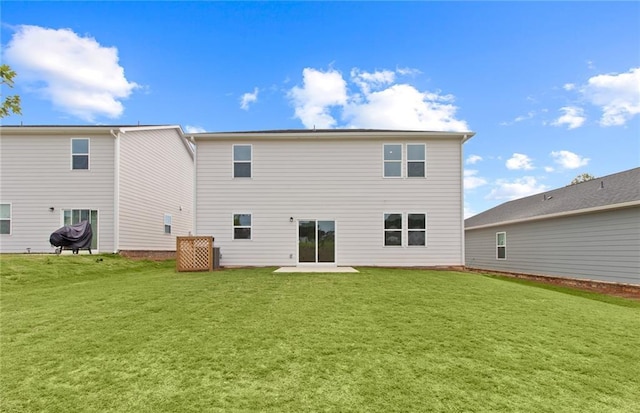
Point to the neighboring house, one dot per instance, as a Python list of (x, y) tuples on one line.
[(589, 230), (332, 197), (133, 183)]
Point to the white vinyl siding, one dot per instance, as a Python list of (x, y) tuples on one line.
[(5, 219), (332, 179), (36, 176), (156, 179)]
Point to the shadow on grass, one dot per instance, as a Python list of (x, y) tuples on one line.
[(590, 295)]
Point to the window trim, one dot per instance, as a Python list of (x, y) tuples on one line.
[(87, 154), (400, 161), (417, 230), (10, 219), (234, 226), (234, 161), (170, 224), (385, 230), (424, 161), (498, 245)]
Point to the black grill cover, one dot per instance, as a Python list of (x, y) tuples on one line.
[(73, 236)]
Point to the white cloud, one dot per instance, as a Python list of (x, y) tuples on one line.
[(473, 159), (617, 95), (468, 212), (194, 129), (569, 86), (549, 169), (519, 161), (569, 160), (379, 103), (508, 190), (77, 74), (471, 181), (319, 92), (249, 98), (573, 117)]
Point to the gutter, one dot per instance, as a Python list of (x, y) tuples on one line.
[(116, 190)]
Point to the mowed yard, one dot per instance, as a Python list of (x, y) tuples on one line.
[(107, 334)]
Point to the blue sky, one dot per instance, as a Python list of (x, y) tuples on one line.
[(552, 89)]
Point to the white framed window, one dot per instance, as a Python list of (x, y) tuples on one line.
[(5, 219), (416, 160), (417, 230), (242, 161), (393, 229), (501, 245), (167, 223), (79, 154), (242, 226), (392, 163)]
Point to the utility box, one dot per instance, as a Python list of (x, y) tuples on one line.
[(216, 258)]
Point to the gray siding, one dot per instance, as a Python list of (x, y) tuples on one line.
[(337, 180), (601, 246), (36, 175), (156, 178)]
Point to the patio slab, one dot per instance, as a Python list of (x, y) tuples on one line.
[(324, 269)]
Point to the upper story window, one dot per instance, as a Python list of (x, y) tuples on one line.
[(167, 223), (416, 160), (241, 226), (79, 154), (5, 219), (501, 245), (242, 158), (393, 160)]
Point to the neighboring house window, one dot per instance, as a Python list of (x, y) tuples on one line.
[(393, 230), (392, 161), (79, 154), (5, 219), (241, 226), (74, 216), (167, 223), (242, 157), (417, 229), (416, 160), (501, 245)]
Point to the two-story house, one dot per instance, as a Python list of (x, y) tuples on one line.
[(134, 184), (332, 197)]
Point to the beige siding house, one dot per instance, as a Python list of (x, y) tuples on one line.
[(134, 184), (332, 197)]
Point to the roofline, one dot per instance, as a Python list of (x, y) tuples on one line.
[(330, 134), (51, 129), (621, 205)]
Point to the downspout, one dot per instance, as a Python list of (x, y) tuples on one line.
[(194, 209), (116, 192)]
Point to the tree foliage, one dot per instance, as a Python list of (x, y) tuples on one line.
[(10, 104), (582, 178)]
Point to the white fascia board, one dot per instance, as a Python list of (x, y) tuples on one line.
[(560, 214), (303, 135)]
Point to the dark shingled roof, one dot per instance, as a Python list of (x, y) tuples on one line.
[(608, 190)]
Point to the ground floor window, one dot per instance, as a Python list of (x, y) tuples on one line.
[(241, 226), (167, 223), (75, 216), (5, 219), (501, 245), (400, 226)]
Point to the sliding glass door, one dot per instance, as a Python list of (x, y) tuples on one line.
[(316, 241)]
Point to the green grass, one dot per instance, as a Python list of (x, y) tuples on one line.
[(106, 334)]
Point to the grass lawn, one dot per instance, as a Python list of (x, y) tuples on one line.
[(106, 334)]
